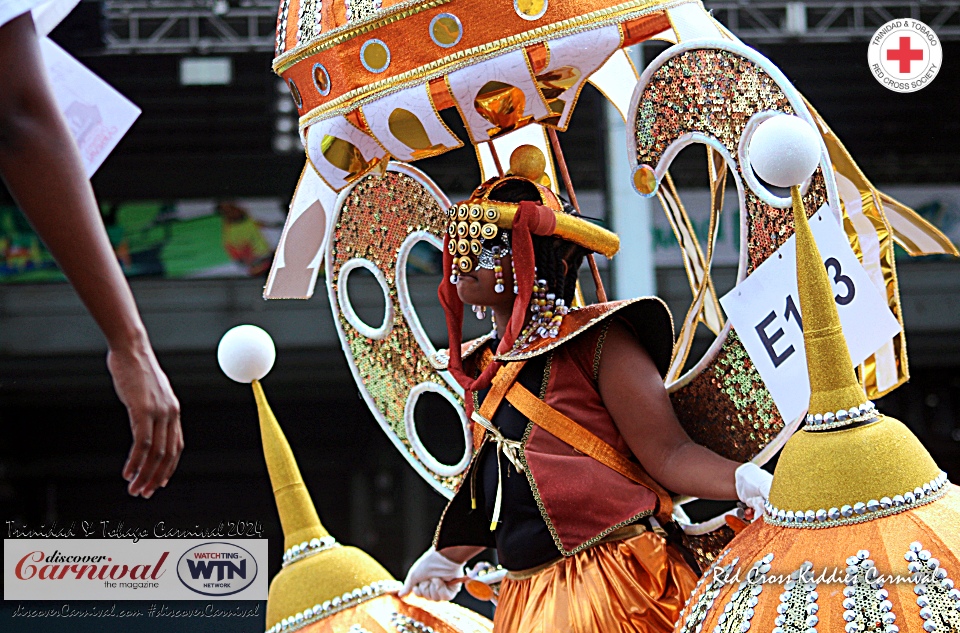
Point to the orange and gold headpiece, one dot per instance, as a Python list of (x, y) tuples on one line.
[(476, 222)]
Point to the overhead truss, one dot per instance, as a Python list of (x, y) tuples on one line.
[(189, 26), (826, 21), (231, 26)]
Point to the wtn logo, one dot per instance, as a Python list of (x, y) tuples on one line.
[(225, 569), (217, 569)]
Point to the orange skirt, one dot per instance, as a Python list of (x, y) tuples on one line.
[(635, 584)]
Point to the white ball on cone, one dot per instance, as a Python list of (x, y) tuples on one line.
[(246, 353), (784, 150)]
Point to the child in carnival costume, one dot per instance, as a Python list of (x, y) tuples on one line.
[(575, 438)]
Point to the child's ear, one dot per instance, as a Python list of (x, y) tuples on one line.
[(565, 267)]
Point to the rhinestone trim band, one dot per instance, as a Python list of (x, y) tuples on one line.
[(338, 604), (798, 608), (308, 548), (864, 598), (406, 624), (739, 609), (843, 417), (938, 599), (859, 511)]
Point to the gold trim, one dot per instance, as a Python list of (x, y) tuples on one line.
[(597, 352), (546, 377), (627, 531), (433, 106), (539, 501), (350, 30), (511, 356), (461, 59)]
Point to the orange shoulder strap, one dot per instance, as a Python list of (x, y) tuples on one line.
[(505, 377), (563, 428), (568, 431)]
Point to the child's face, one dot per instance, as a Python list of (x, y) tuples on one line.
[(478, 286)]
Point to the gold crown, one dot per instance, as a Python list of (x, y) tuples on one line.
[(849, 464)]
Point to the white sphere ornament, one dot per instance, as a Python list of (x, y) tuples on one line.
[(246, 353), (784, 150)]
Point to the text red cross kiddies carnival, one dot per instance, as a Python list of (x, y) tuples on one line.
[(905, 54)]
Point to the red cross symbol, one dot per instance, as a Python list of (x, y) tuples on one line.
[(905, 54)]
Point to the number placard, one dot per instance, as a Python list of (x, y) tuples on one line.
[(765, 310)]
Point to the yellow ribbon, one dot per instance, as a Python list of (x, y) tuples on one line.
[(510, 448)]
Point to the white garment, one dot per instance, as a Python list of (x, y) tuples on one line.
[(46, 13)]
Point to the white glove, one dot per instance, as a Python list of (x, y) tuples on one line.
[(427, 577), (753, 486)]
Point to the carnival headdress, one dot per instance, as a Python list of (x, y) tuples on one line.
[(856, 499), (482, 216), (323, 586)]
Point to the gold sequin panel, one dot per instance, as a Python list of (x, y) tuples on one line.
[(727, 407), (375, 219), (706, 547), (716, 92)]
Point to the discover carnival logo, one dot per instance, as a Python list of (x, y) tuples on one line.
[(905, 55), (59, 566), (150, 569), (217, 569)]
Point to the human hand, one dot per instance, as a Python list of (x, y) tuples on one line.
[(429, 575), (753, 486), (154, 413)]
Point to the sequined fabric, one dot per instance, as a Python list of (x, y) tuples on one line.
[(706, 547), (727, 407), (377, 216), (637, 585), (716, 92)]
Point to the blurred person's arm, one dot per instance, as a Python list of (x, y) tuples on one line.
[(42, 168)]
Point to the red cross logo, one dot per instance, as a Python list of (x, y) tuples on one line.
[(905, 54)]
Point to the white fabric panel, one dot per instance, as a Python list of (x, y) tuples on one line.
[(511, 68), (665, 36), (886, 362), (585, 51), (917, 230), (415, 99), (338, 127), (691, 22), (49, 14), (310, 190), (46, 15), (10, 9), (616, 80)]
